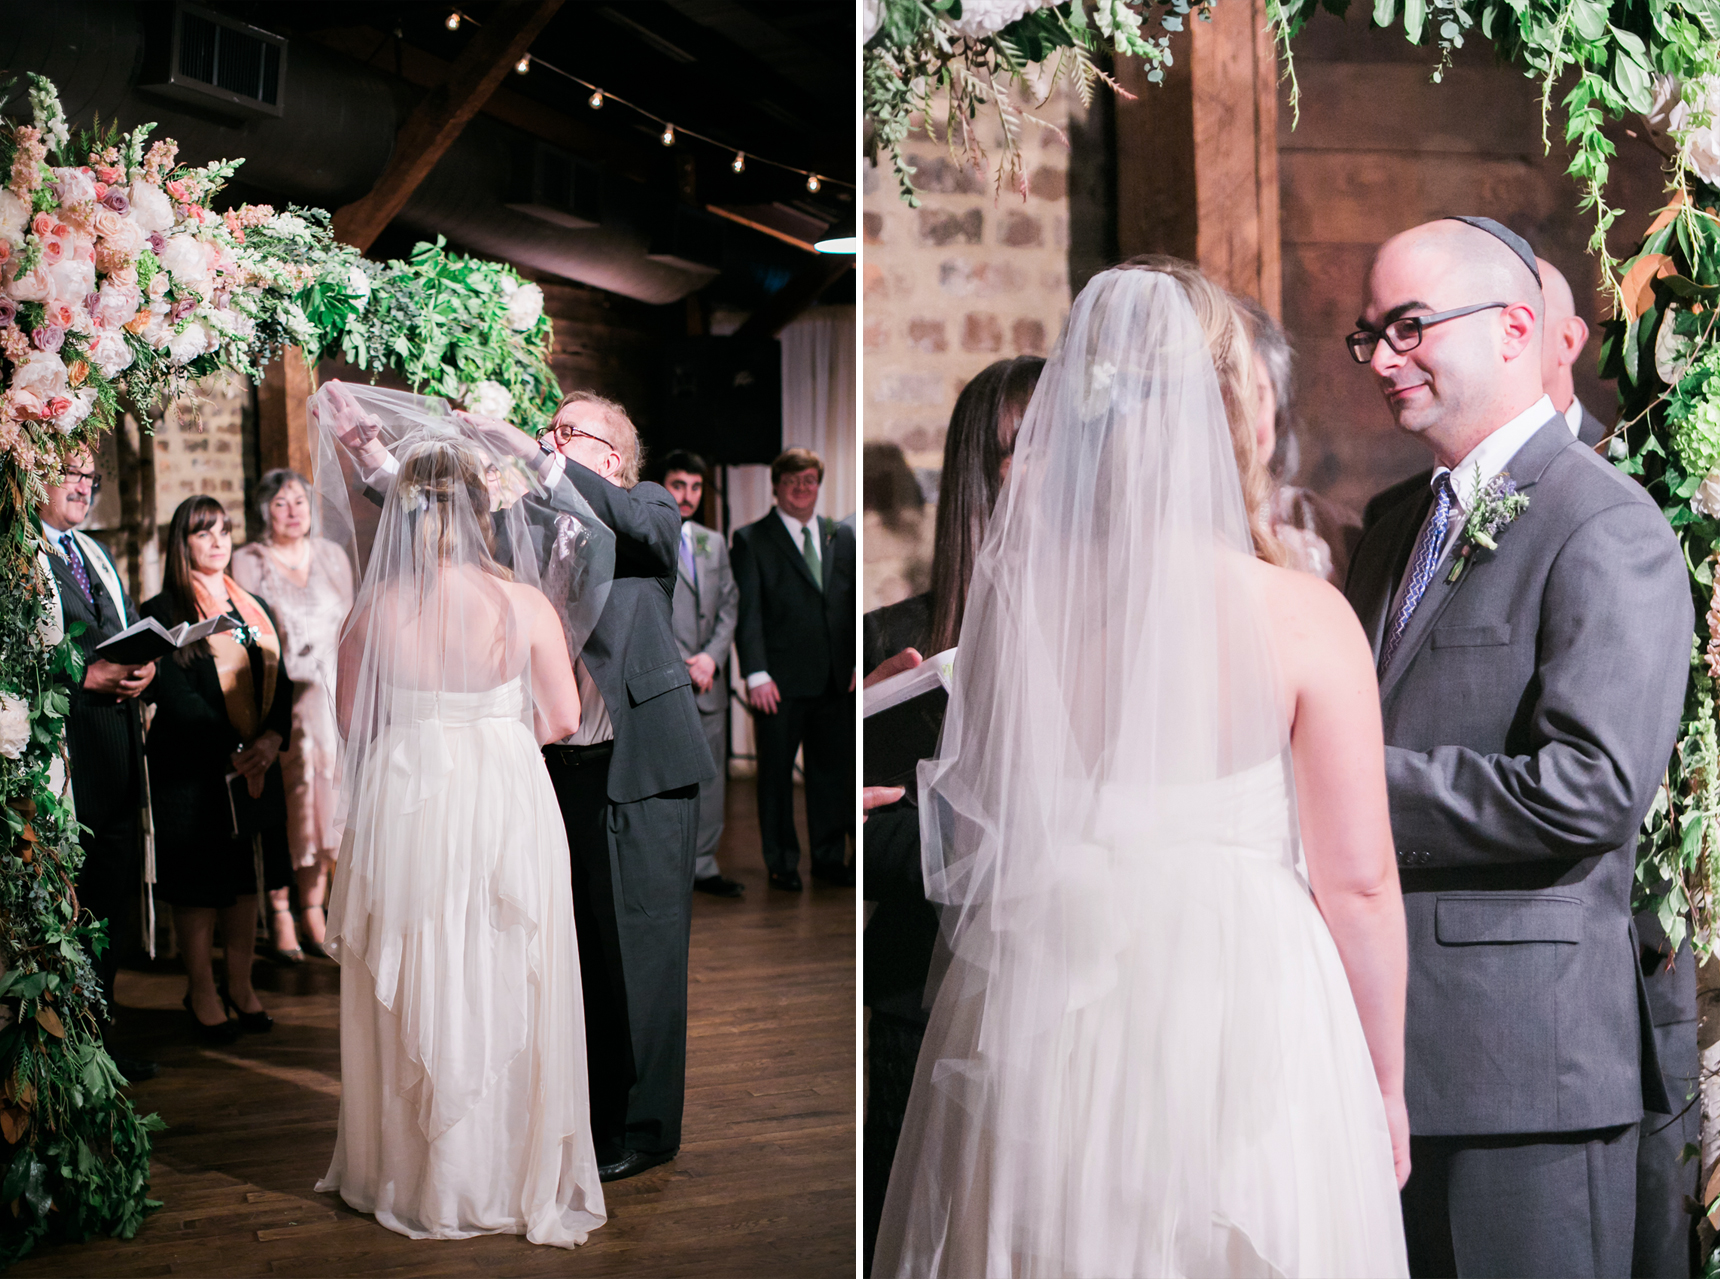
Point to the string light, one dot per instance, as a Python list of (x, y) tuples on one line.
[(814, 182)]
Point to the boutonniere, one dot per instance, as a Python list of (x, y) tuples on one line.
[(1496, 504), (702, 543)]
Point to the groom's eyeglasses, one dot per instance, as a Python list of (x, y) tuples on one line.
[(1404, 335)]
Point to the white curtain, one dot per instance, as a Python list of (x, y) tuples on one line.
[(819, 405)]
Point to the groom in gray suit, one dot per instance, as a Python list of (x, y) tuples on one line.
[(1530, 694)]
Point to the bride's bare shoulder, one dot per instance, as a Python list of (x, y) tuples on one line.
[(1310, 618)]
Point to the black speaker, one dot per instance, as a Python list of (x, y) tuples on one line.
[(720, 397)]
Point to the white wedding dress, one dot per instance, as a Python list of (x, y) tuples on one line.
[(463, 1108)]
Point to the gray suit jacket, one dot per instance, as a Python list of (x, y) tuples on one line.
[(706, 607), (1529, 714)]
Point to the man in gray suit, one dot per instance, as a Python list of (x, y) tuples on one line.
[(1530, 696), (706, 606), (1564, 334)]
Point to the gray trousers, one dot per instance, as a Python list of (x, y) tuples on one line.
[(1665, 1229), (1539, 1205), (716, 726)]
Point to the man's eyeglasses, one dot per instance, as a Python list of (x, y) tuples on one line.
[(95, 479), (564, 434), (1404, 335)]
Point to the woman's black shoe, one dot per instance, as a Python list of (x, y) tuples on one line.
[(257, 1023), (221, 1033)]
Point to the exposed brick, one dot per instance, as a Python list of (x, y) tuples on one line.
[(1021, 230), (877, 335), (1029, 337), (927, 335), (1048, 183), (923, 440), (875, 287), (981, 331), (909, 388), (964, 278), (939, 175), (941, 227), (874, 228)]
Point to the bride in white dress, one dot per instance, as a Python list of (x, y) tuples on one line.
[(1167, 1037), (464, 1107)]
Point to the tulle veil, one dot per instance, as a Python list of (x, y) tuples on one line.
[(1113, 674)]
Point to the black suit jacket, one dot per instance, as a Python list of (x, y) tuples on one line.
[(103, 733), (803, 634), (632, 654)]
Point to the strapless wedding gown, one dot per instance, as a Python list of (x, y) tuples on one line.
[(464, 1108), (1198, 1099)]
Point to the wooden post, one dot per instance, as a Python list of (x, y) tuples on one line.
[(283, 428), (1197, 157)]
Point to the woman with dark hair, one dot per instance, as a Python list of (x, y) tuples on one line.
[(900, 935), (308, 581), (223, 714)]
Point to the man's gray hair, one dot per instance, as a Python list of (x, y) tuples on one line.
[(626, 441)]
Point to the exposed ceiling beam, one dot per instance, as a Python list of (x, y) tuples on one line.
[(438, 119), (796, 296)]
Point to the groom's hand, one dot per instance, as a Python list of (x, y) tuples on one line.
[(765, 699)]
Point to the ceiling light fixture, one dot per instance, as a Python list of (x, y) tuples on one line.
[(812, 183), (595, 101), (524, 64), (667, 137), (453, 23), (739, 163)]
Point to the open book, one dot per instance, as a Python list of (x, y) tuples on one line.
[(904, 715), (149, 639)]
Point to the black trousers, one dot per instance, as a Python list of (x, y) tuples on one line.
[(105, 747), (632, 890), (892, 1051), (1665, 1244), (1542, 1204), (822, 728)]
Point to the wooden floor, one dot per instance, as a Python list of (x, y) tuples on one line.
[(764, 1184)]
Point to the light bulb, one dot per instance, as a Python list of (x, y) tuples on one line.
[(453, 22), (812, 183), (739, 163), (524, 64), (667, 138), (595, 101)]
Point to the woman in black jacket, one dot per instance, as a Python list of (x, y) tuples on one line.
[(223, 714)]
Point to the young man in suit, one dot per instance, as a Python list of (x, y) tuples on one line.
[(796, 576), (707, 602), (104, 735), (1530, 697)]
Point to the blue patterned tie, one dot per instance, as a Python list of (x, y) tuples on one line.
[(77, 562), (1429, 549)]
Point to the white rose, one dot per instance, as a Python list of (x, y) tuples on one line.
[(525, 308), (157, 330), (14, 725), (187, 260), (981, 18), (126, 239), (74, 185), (110, 353), (83, 400), (14, 219), (358, 285), (33, 286), (1707, 499), (42, 374), (157, 285), (72, 279), (150, 207), (490, 399), (189, 343), (119, 305)]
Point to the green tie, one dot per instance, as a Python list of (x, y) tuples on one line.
[(810, 555)]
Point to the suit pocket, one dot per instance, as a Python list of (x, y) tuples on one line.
[(647, 684), (1471, 636), (1492, 919)]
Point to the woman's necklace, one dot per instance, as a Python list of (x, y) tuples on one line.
[(296, 565)]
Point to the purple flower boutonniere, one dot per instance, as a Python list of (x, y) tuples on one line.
[(1496, 504)]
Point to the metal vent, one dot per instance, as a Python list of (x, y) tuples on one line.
[(220, 63), (550, 184)]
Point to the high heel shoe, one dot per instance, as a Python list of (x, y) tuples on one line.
[(257, 1023), (221, 1033)]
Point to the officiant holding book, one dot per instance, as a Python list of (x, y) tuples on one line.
[(104, 737)]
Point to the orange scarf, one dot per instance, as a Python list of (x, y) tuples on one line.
[(245, 710)]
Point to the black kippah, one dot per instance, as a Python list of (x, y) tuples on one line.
[(1506, 236)]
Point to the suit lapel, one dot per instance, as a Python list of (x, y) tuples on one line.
[(826, 549), (779, 531), (1398, 529), (1526, 467)]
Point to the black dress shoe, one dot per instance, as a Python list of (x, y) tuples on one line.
[(631, 1164), (134, 1069), (789, 880), (717, 886)]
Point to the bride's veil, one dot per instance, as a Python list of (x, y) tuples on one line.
[(1113, 674)]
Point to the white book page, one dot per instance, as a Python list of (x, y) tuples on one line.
[(929, 674)]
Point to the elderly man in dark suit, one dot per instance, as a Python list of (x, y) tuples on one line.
[(104, 736), (795, 571), (1531, 695)]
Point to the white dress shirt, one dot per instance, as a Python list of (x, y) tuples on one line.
[(1483, 462), (1574, 416), (794, 528)]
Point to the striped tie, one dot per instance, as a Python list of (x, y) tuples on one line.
[(1429, 549), (76, 560)]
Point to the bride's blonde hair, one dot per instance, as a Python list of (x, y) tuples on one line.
[(1221, 319)]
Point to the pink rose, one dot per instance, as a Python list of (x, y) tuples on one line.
[(32, 286), (42, 224), (110, 353), (106, 222), (53, 250), (118, 303)]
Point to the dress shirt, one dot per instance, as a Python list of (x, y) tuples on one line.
[(1574, 416), (1486, 460)]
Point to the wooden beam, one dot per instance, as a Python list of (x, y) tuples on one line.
[(796, 296), (1197, 157), (438, 119), (283, 427)]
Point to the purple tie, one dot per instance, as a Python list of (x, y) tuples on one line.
[(78, 569), (687, 558), (1429, 548)]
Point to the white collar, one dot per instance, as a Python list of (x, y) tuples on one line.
[(53, 534), (1490, 457), (795, 526), (1574, 416)]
